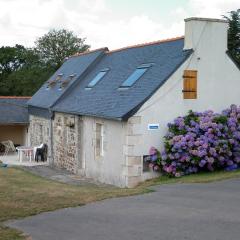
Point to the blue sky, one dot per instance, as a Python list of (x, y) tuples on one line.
[(110, 23)]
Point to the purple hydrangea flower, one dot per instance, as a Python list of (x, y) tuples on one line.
[(201, 141)]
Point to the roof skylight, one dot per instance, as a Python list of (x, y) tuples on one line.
[(136, 75), (97, 78)]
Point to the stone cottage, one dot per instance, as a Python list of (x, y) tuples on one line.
[(102, 110)]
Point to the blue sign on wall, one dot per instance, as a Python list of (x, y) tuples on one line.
[(153, 126)]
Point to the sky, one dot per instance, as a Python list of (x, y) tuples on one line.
[(104, 23)]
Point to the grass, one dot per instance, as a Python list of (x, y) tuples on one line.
[(204, 177), (24, 194)]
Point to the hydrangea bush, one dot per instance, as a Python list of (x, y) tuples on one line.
[(200, 142)]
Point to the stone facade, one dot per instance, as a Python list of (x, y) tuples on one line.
[(134, 160), (133, 168), (39, 132), (66, 141)]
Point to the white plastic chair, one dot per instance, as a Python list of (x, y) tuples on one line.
[(9, 147), (35, 150)]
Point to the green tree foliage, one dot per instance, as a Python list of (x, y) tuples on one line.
[(11, 58), (21, 71), (26, 81), (234, 34), (56, 45), (24, 70)]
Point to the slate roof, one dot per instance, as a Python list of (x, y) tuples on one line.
[(106, 99), (13, 110), (75, 65)]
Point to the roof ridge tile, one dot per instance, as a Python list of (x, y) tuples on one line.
[(87, 52), (127, 47), (147, 44), (15, 97)]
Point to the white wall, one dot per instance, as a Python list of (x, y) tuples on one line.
[(218, 86), (205, 32), (109, 168)]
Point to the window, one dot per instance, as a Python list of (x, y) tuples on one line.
[(135, 75), (99, 140), (190, 84), (97, 78)]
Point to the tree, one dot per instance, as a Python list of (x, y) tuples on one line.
[(27, 80), (234, 34), (11, 58), (56, 45), (21, 71), (24, 70)]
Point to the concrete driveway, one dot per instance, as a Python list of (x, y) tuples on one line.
[(179, 211)]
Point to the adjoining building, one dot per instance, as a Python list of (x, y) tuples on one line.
[(14, 119)]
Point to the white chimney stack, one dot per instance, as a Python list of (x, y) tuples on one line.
[(205, 34)]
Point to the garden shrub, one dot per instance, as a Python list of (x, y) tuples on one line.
[(200, 142)]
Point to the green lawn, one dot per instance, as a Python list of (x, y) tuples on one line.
[(23, 194)]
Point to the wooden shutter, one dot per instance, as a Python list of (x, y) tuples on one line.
[(190, 84)]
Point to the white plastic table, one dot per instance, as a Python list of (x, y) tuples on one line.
[(28, 151)]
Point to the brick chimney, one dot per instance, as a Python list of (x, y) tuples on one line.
[(206, 34)]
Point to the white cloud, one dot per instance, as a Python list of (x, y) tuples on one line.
[(129, 31), (22, 21), (213, 8)]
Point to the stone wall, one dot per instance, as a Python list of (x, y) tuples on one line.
[(66, 141), (133, 168), (134, 159), (39, 132)]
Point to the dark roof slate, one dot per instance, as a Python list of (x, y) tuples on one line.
[(13, 110), (75, 65), (105, 99)]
